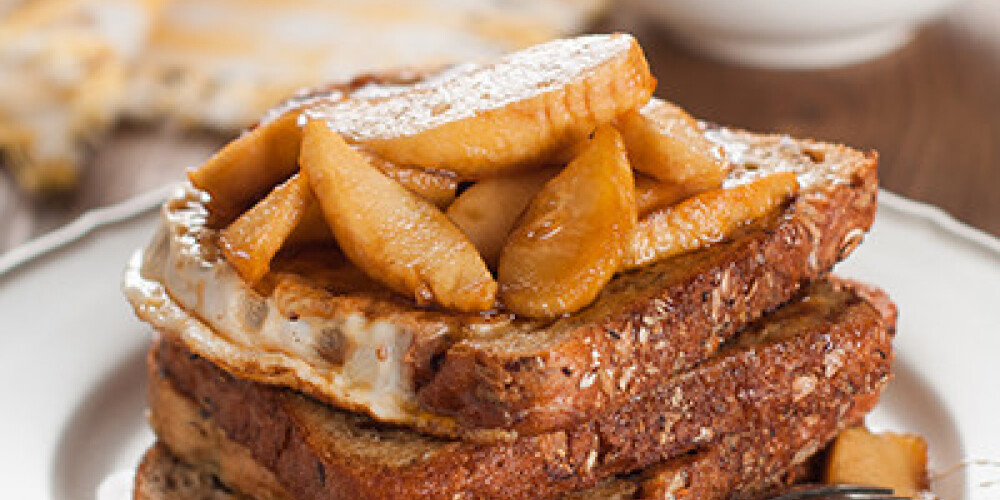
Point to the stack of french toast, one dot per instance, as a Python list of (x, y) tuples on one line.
[(528, 279)]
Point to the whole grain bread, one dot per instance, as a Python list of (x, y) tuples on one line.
[(669, 316), (823, 354), (213, 467)]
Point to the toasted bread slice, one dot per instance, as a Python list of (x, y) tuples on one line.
[(493, 377), (826, 354), (743, 465), (671, 314)]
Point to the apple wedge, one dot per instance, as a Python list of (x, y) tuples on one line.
[(395, 236), (664, 142), (897, 461), (312, 228), (248, 167), (251, 241), (651, 194), (487, 211), (516, 113), (438, 188), (705, 218), (570, 240)]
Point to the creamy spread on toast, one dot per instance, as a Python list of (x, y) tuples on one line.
[(181, 286)]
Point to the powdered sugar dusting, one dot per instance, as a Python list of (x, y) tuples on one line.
[(477, 88)]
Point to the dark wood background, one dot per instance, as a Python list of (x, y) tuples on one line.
[(931, 109)]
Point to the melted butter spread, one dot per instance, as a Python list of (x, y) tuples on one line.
[(186, 290), (471, 89)]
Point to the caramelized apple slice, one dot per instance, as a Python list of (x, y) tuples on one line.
[(436, 187), (312, 227), (706, 218), (569, 242), (515, 113), (651, 194), (251, 241), (897, 461), (395, 236), (247, 168), (665, 142), (486, 211)]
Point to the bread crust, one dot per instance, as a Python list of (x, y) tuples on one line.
[(826, 355), (628, 341)]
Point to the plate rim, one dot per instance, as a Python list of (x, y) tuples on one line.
[(940, 218), (82, 226)]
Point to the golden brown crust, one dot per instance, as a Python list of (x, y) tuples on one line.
[(823, 355)]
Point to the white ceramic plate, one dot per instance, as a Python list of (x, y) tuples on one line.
[(71, 352)]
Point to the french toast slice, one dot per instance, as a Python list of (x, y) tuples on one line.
[(672, 314), (495, 377), (745, 465), (824, 356)]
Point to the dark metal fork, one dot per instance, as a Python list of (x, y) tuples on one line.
[(838, 492)]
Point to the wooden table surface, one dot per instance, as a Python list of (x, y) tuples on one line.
[(932, 110)]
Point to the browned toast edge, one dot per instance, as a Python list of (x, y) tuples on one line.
[(609, 359)]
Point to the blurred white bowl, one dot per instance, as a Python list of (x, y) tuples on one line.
[(797, 34)]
